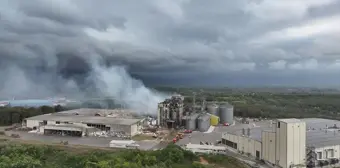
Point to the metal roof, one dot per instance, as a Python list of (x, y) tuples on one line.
[(316, 134), (85, 119), (117, 113), (207, 147), (255, 132), (290, 120)]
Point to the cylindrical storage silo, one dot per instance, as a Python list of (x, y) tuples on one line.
[(203, 122), (226, 113), (214, 120), (213, 109), (190, 123)]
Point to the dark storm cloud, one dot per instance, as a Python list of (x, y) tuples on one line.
[(65, 46)]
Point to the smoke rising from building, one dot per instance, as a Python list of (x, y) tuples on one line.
[(47, 53), (115, 82), (92, 80)]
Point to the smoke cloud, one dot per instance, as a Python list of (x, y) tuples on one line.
[(45, 52), (78, 78), (115, 82)]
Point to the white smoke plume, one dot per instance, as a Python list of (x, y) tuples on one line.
[(45, 52), (115, 82)]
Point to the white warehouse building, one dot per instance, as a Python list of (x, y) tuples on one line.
[(82, 122), (290, 143)]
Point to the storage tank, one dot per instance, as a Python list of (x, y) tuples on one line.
[(214, 120), (226, 113), (203, 122), (213, 109), (190, 122)]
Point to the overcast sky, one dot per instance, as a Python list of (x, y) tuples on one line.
[(186, 42)]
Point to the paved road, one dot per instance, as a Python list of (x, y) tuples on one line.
[(86, 141), (197, 137)]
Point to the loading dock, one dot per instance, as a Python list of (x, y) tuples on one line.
[(63, 130)]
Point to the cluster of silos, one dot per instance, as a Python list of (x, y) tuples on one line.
[(224, 111), (198, 121), (191, 121)]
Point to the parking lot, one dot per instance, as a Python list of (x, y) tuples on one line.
[(86, 141)]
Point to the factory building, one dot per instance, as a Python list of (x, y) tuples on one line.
[(290, 143), (170, 112), (84, 122)]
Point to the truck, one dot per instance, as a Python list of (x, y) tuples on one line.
[(187, 131), (177, 137)]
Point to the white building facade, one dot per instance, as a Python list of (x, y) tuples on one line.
[(129, 127), (284, 146)]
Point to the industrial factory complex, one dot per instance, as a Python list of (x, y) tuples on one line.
[(207, 128), (86, 122), (171, 114)]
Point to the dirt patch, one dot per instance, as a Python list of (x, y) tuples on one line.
[(203, 161)]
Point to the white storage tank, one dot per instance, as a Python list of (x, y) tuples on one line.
[(203, 122), (190, 123), (226, 113), (213, 109)]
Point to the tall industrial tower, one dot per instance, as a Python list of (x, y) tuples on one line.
[(170, 111), (290, 143)]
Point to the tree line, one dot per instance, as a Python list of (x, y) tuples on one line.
[(12, 115), (33, 156), (278, 105)]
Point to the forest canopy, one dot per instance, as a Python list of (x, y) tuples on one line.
[(43, 156)]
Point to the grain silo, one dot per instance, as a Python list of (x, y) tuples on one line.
[(190, 122), (226, 113), (203, 122), (213, 109)]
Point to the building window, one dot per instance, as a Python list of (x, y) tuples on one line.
[(231, 144), (330, 153), (319, 155), (278, 125), (57, 122)]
